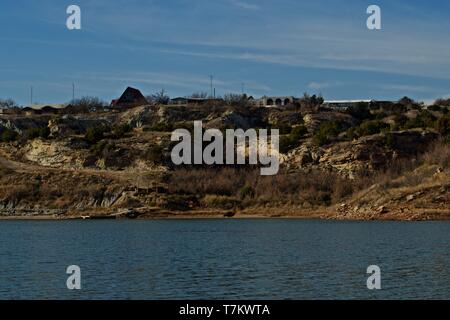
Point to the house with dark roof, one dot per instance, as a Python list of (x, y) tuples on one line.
[(131, 97), (44, 109)]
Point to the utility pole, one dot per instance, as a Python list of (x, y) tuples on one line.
[(211, 78), (73, 91), (31, 96)]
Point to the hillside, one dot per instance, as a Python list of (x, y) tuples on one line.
[(379, 163)]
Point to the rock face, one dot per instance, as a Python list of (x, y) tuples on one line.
[(122, 169), (59, 126), (365, 154), (70, 125), (314, 120), (21, 124), (57, 154), (139, 116), (285, 117), (60, 192), (228, 119)]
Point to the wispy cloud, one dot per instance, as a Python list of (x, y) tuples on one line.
[(409, 88), (324, 85), (312, 44), (180, 81), (245, 5)]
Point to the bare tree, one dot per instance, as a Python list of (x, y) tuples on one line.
[(87, 104), (150, 99), (312, 103), (233, 99), (160, 97), (442, 102), (201, 95), (8, 103)]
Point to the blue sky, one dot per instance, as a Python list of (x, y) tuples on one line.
[(283, 47)]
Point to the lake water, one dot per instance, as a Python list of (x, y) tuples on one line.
[(224, 259)]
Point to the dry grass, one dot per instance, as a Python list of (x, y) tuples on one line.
[(439, 154), (411, 172), (309, 188), (313, 188), (230, 187), (53, 189)]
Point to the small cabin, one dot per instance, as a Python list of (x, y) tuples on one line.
[(131, 97)]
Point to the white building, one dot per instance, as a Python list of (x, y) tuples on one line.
[(275, 101)]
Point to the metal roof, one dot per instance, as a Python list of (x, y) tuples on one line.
[(54, 106)]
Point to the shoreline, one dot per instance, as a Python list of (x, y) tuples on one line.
[(215, 217), (148, 213)]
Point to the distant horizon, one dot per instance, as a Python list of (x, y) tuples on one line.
[(42, 103), (282, 48)]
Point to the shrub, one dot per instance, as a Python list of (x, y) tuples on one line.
[(400, 120), (217, 201), (119, 131), (96, 133), (381, 115), (102, 148), (283, 128), (292, 140), (434, 107), (162, 127), (299, 131), (34, 133), (154, 154), (360, 111), (326, 132), (9, 135), (443, 125), (423, 120), (188, 125), (367, 128), (246, 192), (389, 141)]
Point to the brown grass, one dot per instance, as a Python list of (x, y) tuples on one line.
[(310, 188), (313, 187)]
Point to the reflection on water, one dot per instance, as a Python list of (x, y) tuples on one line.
[(224, 259)]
